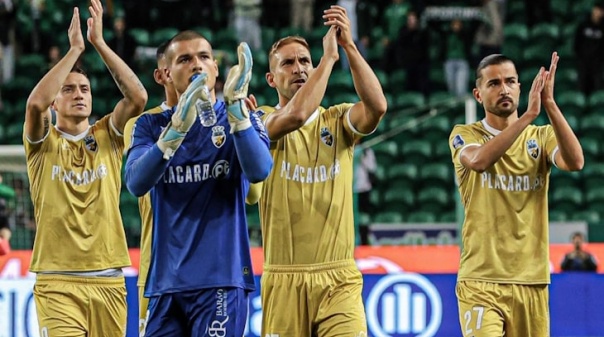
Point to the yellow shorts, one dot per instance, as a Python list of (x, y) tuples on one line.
[(321, 299), (75, 306), (143, 303), (493, 310)]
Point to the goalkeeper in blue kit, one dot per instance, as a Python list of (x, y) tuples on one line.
[(198, 178)]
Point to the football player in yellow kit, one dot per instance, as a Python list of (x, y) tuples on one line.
[(75, 173), (503, 164), (310, 284)]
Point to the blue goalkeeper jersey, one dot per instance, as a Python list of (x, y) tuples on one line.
[(200, 238)]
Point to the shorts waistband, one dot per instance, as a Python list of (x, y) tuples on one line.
[(95, 280), (310, 268)]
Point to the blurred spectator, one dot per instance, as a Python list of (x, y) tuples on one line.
[(301, 14), (351, 9), (588, 47), (394, 18), (410, 51), (537, 11), (218, 87), (122, 43), (6, 193), (365, 168), (247, 22), (366, 13), (37, 11), (489, 36), (578, 259), (456, 52), (54, 56), (364, 176), (7, 14), (23, 212)]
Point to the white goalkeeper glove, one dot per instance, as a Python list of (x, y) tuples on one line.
[(235, 89), (184, 117)]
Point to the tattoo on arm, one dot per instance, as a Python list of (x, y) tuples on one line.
[(118, 80), (138, 82), (46, 123), (124, 88)]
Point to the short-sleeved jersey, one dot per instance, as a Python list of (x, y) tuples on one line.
[(144, 203), (75, 186), (199, 236), (306, 207), (505, 233)]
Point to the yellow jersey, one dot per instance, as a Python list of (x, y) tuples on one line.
[(75, 183), (306, 207), (505, 233), (144, 204)]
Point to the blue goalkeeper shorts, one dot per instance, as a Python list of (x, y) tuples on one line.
[(215, 312)]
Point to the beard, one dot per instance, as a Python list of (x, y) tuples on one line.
[(501, 110)]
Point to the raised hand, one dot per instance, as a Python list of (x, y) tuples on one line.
[(95, 23), (547, 95), (251, 103), (235, 89), (76, 40), (336, 16), (330, 44), (238, 79), (184, 117), (534, 98)]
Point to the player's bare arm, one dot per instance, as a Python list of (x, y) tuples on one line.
[(570, 154), (480, 158), (366, 114), (37, 113), (293, 114), (135, 95)]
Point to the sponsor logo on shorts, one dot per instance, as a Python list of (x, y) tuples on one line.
[(217, 328)]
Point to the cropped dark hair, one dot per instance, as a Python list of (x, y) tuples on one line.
[(186, 35), (491, 60), (161, 49), (79, 70)]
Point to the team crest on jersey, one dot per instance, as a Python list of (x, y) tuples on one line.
[(218, 136), (533, 148), (458, 142), (90, 143), (326, 136)]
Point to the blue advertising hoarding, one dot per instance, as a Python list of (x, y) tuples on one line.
[(397, 305)]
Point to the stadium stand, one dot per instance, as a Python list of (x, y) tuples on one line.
[(415, 176)]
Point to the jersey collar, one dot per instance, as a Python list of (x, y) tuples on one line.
[(489, 128), (73, 138), (165, 106)]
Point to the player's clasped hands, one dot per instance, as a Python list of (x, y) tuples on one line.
[(183, 118), (330, 44), (76, 39), (95, 23), (335, 16), (534, 98), (547, 95)]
